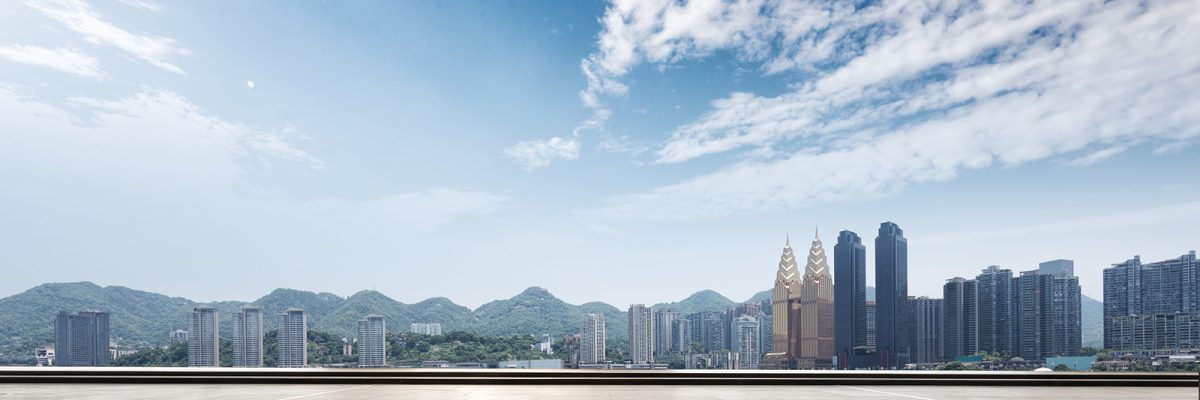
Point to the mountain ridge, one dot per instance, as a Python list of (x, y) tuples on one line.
[(147, 317)]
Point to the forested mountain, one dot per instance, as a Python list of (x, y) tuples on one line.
[(704, 300)]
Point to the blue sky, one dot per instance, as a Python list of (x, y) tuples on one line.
[(627, 152)]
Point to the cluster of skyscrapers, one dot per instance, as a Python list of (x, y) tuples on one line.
[(735, 338), (1152, 309), (1034, 315), (821, 318)]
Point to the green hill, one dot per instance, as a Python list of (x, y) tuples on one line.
[(704, 300), (536, 311), (138, 316)]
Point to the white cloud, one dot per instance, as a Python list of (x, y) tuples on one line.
[(622, 145), (68, 60), (1097, 156), (932, 90), (150, 136), (537, 154), (81, 18), (142, 4)]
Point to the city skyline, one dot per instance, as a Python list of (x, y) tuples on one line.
[(390, 137), (1044, 306)]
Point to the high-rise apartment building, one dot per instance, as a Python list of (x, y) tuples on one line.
[(1046, 311), (785, 307), (372, 341), (204, 343), (1065, 331), (1153, 307), (681, 336), (715, 333), (816, 348), (698, 333), (745, 341), (248, 337), (641, 334), (995, 310), (764, 335), (591, 339), (664, 325), (850, 301), (927, 346), (892, 324), (961, 325), (871, 323), (292, 339), (81, 340), (426, 328)]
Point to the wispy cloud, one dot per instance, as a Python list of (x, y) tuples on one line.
[(908, 92), (150, 135), (81, 18), (142, 4), (1097, 156), (623, 145), (537, 154), (69, 60)]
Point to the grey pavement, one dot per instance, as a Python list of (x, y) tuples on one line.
[(580, 392)]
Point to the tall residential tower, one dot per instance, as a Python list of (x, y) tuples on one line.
[(372, 343), (591, 343), (248, 337), (641, 334), (204, 344), (292, 339)]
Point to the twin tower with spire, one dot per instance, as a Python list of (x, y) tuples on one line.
[(802, 311)]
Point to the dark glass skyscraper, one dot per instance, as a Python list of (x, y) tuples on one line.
[(850, 299), (892, 324)]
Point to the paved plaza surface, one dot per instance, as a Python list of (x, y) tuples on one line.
[(579, 392)]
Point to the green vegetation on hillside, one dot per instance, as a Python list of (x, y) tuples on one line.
[(411, 349), (704, 300)]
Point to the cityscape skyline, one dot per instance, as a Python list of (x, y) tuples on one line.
[(1151, 311), (684, 139)]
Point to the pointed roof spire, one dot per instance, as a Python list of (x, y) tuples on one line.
[(817, 233), (788, 240)]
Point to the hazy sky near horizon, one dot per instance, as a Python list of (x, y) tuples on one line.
[(624, 151)]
